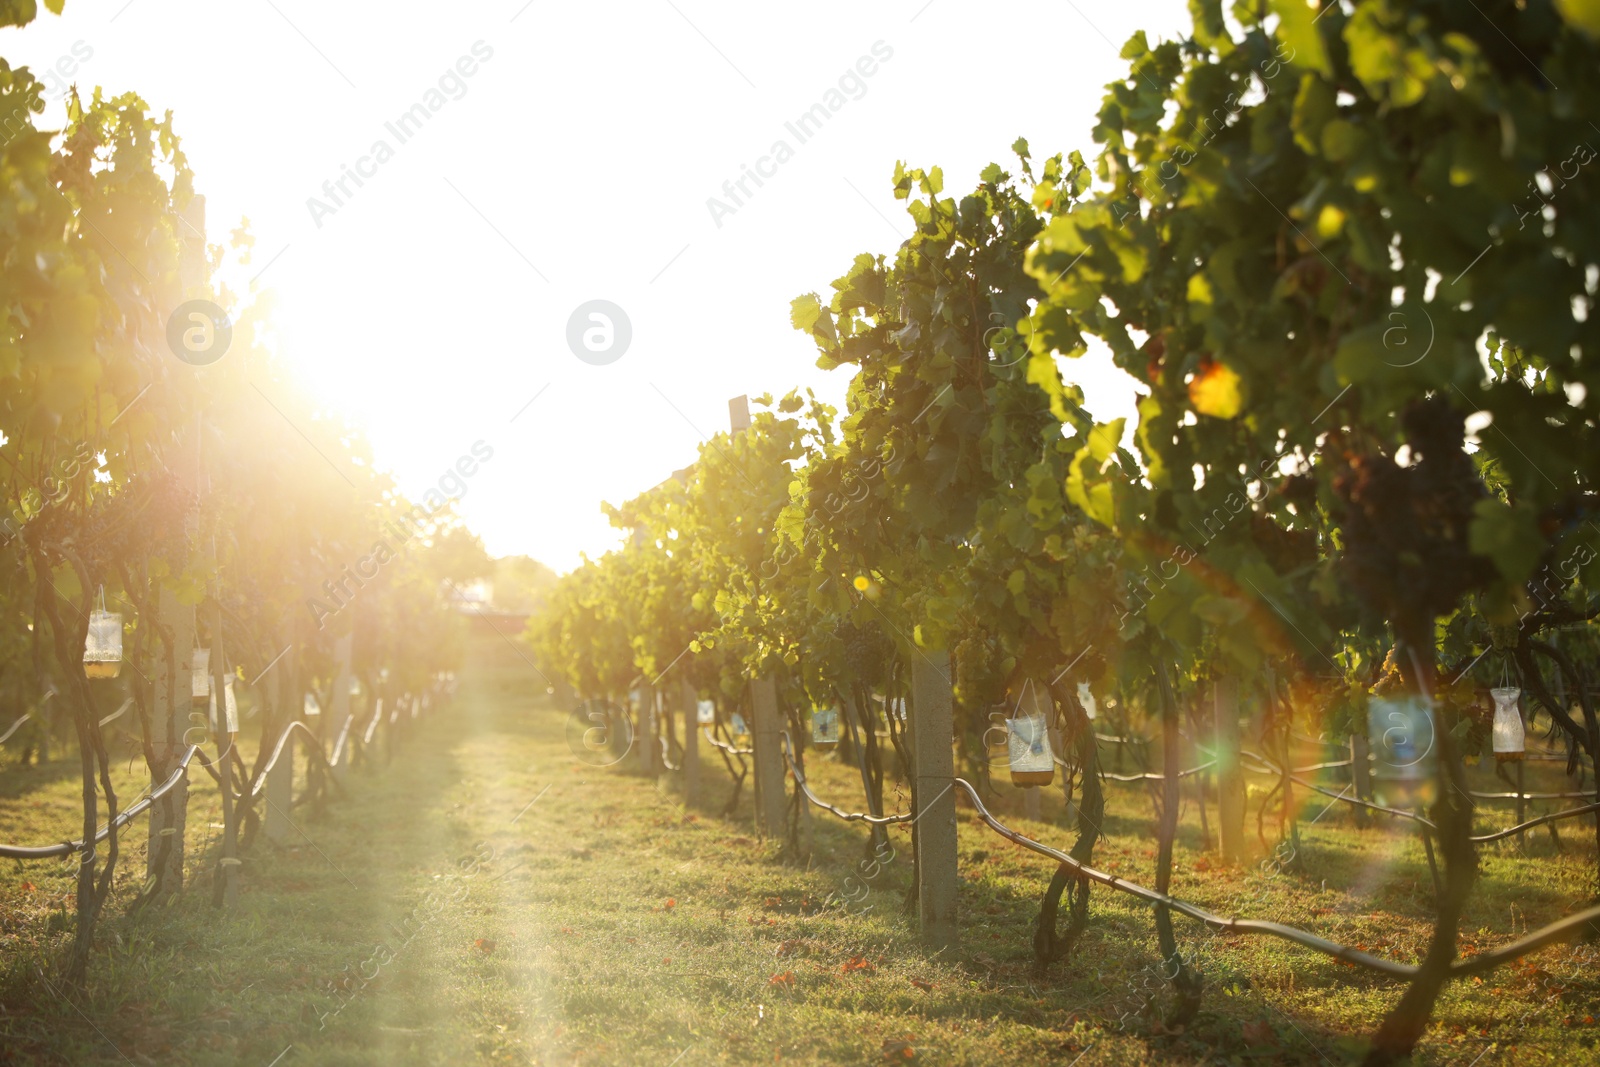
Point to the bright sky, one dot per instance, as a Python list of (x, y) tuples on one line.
[(568, 155)]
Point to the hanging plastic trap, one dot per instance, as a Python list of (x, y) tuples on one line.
[(1028, 746), (825, 726), (1510, 737), (200, 677), (102, 645)]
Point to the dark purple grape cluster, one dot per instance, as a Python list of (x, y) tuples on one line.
[(1407, 551)]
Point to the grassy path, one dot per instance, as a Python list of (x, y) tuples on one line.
[(489, 899)]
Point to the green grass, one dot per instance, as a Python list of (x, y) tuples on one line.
[(606, 924)]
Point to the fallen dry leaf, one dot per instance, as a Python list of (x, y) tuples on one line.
[(484, 945), (898, 1050), (858, 963), (785, 980)]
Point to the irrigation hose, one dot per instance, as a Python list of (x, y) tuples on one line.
[(67, 848), (847, 816), (1560, 930), (724, 745), (13, 729), (1478, 839)]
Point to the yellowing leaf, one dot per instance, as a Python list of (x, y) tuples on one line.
[(1215, 392)]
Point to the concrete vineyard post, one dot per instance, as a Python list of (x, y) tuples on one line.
[(169, 722), (767, 742), (1030, 802), (170, 716), (1230, 773), (691, 745), (644, 703), (341, 706), (934, 828), (283, 692), (226, 891), (739, 414)]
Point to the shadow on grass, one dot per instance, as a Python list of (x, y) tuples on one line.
[(189, 983)]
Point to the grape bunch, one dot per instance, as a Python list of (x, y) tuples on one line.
[(866, 653), (980, 675), (1408, 555)]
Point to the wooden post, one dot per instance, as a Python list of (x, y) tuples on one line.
[(768, 756), (934, 828), (691, 744), (169, 721), (287, 700), (1230, 774), (340, 712)]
